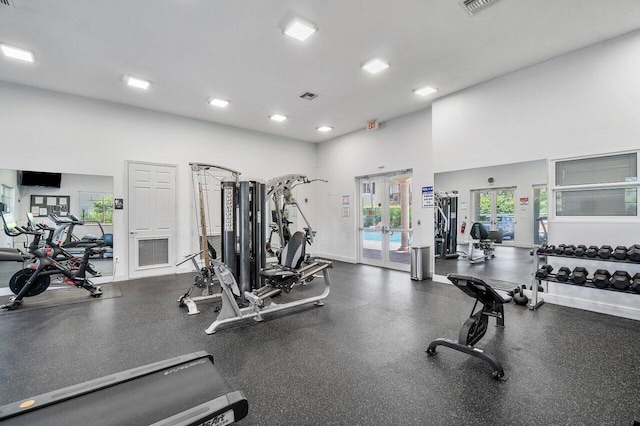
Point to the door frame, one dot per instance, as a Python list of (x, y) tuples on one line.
[(385, 179)]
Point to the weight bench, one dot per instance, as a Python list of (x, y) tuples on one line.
[(475, 327), (186, 390)]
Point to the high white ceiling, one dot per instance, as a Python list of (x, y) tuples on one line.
[(192, 50)]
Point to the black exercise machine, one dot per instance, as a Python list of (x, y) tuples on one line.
[(186, 390), (35, 279), (446, 224), (475, 327), (57, 252)]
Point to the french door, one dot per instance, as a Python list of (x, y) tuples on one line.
[(385, 232), (495, 208)]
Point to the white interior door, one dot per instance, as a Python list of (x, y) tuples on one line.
[(152, 219)]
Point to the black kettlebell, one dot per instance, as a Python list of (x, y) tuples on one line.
[(519, 297)]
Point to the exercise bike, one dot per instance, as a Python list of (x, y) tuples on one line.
[(36, 278), (58, 252)]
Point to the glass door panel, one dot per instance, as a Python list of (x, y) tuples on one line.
[(482, 207), (371, 221), (505, 208), (399, 213), (540, 214)]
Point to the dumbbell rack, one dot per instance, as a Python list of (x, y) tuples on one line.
[(588, 283)]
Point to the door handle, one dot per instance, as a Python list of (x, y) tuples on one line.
[(133, 232)]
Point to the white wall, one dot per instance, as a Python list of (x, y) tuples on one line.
[(582, 103), (402, 143), (55, 132), (520, 175)]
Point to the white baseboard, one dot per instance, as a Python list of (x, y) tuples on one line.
[(590, 305)]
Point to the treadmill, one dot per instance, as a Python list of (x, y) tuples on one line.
[(186, 390)]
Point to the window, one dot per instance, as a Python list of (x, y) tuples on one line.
[(611, 169), (604, 186), (96, 207), (6, 198), (369, 188)]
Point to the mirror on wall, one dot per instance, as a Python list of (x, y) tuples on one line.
[(69, 209), (508, 200)]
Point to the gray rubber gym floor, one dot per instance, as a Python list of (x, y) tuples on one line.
[(358, 360)]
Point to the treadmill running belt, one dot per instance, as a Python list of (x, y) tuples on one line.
[(141, 396)]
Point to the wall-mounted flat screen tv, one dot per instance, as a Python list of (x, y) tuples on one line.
[(29, 178)]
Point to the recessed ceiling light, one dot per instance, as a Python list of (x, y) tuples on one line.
[(221, 103), (137, 82), (324, 128), (299, 29), (17, 53), (278, 117), (376, 65), (426, 90)]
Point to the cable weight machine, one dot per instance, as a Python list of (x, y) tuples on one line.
[(205, 280), (446, 222), (243, 232)]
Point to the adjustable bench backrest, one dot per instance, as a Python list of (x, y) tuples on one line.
[(478, 289)]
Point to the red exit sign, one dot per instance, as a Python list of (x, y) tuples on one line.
[(372, 125)]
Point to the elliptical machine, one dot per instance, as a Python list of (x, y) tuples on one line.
[(36, 278)]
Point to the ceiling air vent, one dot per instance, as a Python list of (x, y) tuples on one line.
[(308, 96), (474, 6), (6, 3)]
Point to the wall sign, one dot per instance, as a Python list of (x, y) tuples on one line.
[(427, 196)]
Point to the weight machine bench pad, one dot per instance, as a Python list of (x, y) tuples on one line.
[(186, 390)]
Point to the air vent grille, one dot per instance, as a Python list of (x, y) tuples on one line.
[(474, 6), (308, 96), (6, 3)]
